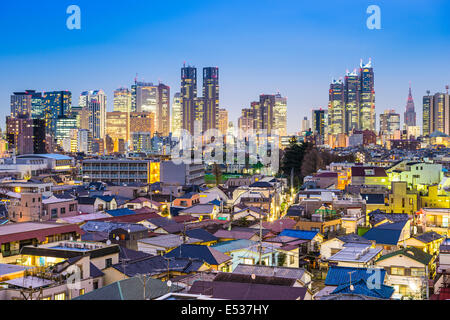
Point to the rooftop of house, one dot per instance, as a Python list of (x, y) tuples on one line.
[(387, 233), (341, 275), (356, 254), (299, 234), (102, 226), (247, 291), (168, 241), (200, 252), (428, 237), (259, 270), (120, 212), (410, 252), (131, 289)]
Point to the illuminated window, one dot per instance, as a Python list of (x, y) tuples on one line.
[(398, 271), (60, 296)]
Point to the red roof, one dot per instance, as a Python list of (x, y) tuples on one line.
[(363, 172), (39, 233)]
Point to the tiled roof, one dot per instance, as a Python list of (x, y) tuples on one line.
[(284, 272), (410, 252), (200, 252), (201, 234), (361, 287), (94, 271), (428, 237), (387, 233), (120, 212), (247, 278), (247, 291)]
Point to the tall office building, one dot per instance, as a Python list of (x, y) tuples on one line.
[(56, 104), (26, 135), (319, 123), (351, 101), (427, 105), (188, 97), (163, 110), (21, 104), (95, 103), (64, 126), (439, 112), (280, 115), (177, 115), (37, 105), (210, 98), (336, 108), (410, 114), (122, 100), (118, 127), (389, 122), (223, 121), (245, 122), (367, 97), (305, 124), (263, 113)]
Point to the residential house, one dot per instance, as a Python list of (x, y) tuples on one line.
[(160, 245), (333, 246), (369, 176), (434, 219), (355, 255), (202, 211), (408, 272), (429, 242), (13, 237), (435, 198), (389, 236), (313, 237)]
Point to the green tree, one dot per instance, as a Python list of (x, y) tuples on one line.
[(293, 158)]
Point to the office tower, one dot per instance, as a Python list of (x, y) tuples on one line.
[(21, 104), (223, 121), (64, 125), (122, 100), (142, 122), (305, 124), (188, 97), (263, 112), (389, 122), (280, 115), (367, 97), (319, 123), (25, 135), (351, 101), (410, 114), (84, 141), (95, 103), (336, 108), (37, 105), (440, 113), (118, 127), (245, 122), (177, 115), (162, 117), (427, 105), (56, 104), (141, 142), (210, 98)]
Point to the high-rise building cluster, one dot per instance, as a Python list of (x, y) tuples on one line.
[(352, 102)]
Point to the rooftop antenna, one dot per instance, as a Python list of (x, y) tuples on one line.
[(351, 286)]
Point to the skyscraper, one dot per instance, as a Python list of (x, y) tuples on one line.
[(188, 97), (427, 105), (223, 121), (319, 122), (336, 108), (367, 97), (389, 122), (122, 100), (210, 98), (440, 113), (26, 135), (351, 101), (280, 115), (56, 104), (263, 113), (95, 103), (163, 110), (21, 104), (305, 124), (177, 115), (410, 114)]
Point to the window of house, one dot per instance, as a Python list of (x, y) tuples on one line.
[(60, 296), (95, 286), (81, 292), (417, 272), (398, 271), (247, 260), (63, 210), (291, 259), (108, 262)]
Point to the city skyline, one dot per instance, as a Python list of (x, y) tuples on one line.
[(300, 68)]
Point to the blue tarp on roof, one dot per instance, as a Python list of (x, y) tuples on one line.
[(340, 275), (299, 234)]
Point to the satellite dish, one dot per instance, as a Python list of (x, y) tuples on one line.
[(352, 288), (108, 242), (169, 283)]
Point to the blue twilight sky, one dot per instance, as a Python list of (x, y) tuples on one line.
[(295, 47)]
